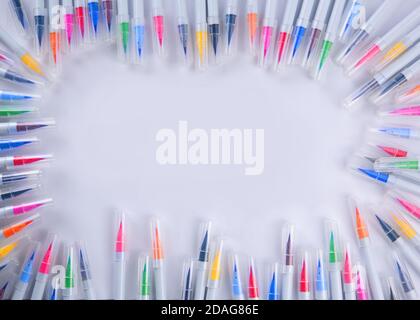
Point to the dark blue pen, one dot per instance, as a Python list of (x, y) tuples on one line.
[(17, 8), (213, 23)]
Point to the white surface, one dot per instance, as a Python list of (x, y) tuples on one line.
[(108, 115)]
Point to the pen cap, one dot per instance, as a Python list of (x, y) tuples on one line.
[(359, 222), (362, 291), (28, 263), (187, 279), (304, 278), (19, 227), (392, 291), (157, 247), (120, 233), (138, 9), (84, 264), (216, 255), (17, 8), (270, 10), (235, 276), (204, 242), (287, 235), (48, 253), (348, 265), (320, 276), (402, 273), (407, 202), (144, 277), (333, 242), (232, 7)]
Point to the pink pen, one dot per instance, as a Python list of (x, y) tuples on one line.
[(68, 17), (17, 210), (409, 111), (158, 26), (406, 202), (361, 283), (267, 32), (80, 13), (348, 279), (44, 269)]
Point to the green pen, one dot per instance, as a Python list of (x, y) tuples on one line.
[(14, 111), (68, 292), (330, 37), (123, 21), (334, 260), (397, 164), (144, 290)]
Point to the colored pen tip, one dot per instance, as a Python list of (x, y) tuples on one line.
[(394, 152), (347, 274), (332, 249), (411, 208), (204, 249), (404, 278), (157, 245), (120, 243), (370, 159), (404, 226), (380, 176), (46, 259), (25, 160), (16, 228), (362, 230), (304, 278), (5, 250), (368, 56), (289, 256), (272, 291), (388, 230), (252, 284), (215, 268)]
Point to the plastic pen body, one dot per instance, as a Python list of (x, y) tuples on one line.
[(123, 37), (214, 28), (40, 24), (350, 14), (139, 25), (158, 20), (252, 17), (267, 32), (214, 276), (41, 279), (299, 31), (107, 8), (119, 258), (18, 9), (320, 278), (144, 290), (85, 274), (372, 271), (68, 17), (183, 26), (158, 262), (22, 284), (285, 33), (80, 10), (201, 35), (93, 18)]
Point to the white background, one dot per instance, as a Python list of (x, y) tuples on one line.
[(104, 145)]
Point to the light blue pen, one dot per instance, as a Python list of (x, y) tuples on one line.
[(16, 97), (26, 273), (321, 286), (273, 286), (138, 23), (237, 288), (403, 132), (300, 28)]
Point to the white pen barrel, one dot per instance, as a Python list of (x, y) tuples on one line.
[(200, 284), (287, 287), (335, 285), (39, 287), (411, 295), (119, 281), (88, 290), (211, 293), (374, 281), (159, 284), (20, 291), (349, 292)]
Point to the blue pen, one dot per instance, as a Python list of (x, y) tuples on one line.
[(39, 20), (183, 29), (393, 181), (26, 273), (403, 132), (187, 280), (236, 282), (93, 12), (12, 193), (17, 7), (273, 286), (11, 97), (13, 76), (300, 28), (138, 23), (321, 287), (8, 144)]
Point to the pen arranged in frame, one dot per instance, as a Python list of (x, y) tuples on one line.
[(187, 280), (237, 290), (144, 278), (334, 260), (139, 25), (85, 273), (158, 261), (214, 276), (202, 263), (183, 26), (119, 259), (287, 262)]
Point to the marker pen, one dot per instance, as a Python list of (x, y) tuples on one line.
[(13, 128), (159, 30), (304, 280), (202, 262), (26, 272), (213, 282), (334, 260), (252, 18), (237, 291), (119, 259), (187, 280), (40, 24), (13, 211), (139, 25), (158, 261), (55, 33), (68, 17), (107, 9), (253, 287), (361, 283), (93, 18), (144, 288), (183, 27), (123, 33), (14, 177), (68, 292), (18, 227), (19, 13), (85, 273), (349, 23), (80, 10), (406, 202), (214, 29), (273, 292), (320, 277), (349, 285), (287, 276), (231, 26), (201, 35), (267, 32), (404, 278)]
